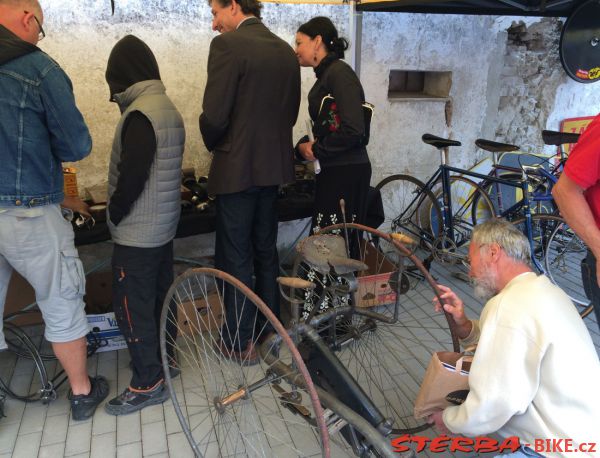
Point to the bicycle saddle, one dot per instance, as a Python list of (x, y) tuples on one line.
[(495, 147), (439, 142), (552, 137), (328, 251)]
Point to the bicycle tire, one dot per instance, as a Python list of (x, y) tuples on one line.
[(384, 361), (542, 227), (564, 252), (454, 250), (20, 345), (538, 207), (471, 205), (405, 198), (225, 405)]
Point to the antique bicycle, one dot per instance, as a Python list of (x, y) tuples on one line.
[(349, 371)]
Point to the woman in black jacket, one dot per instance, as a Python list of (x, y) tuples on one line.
[(339, 133)]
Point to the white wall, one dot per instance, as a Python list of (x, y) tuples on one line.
[(574, 100), (464, 45), (81, 35)]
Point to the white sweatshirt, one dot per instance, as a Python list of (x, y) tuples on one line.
[(535, 373)]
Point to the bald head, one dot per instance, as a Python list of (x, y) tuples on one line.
[(28, 5), (21, 17)]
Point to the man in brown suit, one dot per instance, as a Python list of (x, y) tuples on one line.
[(250, 105)]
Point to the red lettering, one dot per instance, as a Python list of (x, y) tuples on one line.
[(461, 444), (511, 443), (421, 442), (485, 444), (556, 445), (398, 442), (591, 447), (439, 444), (569, 446), (538, 445)]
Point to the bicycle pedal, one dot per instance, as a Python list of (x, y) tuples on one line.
[(289, 401), (336, 426), (333, 421)]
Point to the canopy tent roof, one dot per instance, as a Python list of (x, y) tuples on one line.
[(553, 8)]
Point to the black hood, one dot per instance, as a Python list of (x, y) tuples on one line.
[(130, 62), (11, 46)]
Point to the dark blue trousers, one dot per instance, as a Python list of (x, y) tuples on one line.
[(141, 280), (246, 247)]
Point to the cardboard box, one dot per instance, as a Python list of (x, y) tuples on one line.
[(195, 316), (98, 293), (20, 294), (104, 327), (374, 284)]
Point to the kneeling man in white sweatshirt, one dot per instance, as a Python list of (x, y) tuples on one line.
[(535, 370)]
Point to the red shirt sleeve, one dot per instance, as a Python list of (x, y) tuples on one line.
[(583, 165)]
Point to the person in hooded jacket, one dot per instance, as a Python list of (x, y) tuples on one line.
[(143, 212), (41, 127)]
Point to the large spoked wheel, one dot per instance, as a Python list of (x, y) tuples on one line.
[(563, 257), (387, 339), (228, 403), (410, 208)]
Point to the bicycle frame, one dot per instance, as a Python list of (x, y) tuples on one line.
[(447, 222), (546, 196)]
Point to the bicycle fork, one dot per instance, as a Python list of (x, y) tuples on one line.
[(328, 372)]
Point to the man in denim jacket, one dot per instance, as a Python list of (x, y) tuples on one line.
[(40, 127)]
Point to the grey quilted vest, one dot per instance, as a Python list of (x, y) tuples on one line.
[(153, 219)]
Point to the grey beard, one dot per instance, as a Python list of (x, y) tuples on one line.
[(484, 288)]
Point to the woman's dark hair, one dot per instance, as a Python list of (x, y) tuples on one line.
[(248, 6), (323, 26)]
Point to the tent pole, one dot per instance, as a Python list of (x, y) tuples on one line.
[(355, 36)]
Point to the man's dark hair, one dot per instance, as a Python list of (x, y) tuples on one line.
[(248, 6)]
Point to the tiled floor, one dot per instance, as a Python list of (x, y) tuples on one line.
[(33, 429)]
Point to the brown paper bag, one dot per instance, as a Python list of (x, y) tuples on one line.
[(440, 381)]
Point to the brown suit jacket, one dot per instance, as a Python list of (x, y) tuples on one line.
[(250, 106)]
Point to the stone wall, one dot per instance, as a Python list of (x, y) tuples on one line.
[(531, 74)]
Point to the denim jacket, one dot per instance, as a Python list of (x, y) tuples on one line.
[(40, 128)]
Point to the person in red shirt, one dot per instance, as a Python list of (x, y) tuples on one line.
[(577, 195)]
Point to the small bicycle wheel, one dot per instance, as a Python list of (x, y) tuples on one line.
[(226, 406), (384, 334), (24, 357), (410, 208), (563, 257)]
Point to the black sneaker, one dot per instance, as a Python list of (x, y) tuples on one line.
[(132, 401), (83, 406)]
